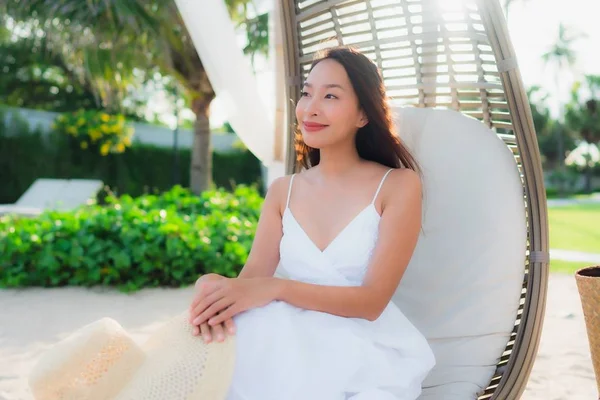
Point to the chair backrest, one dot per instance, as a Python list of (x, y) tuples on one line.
[(463, 284), (77, 193), (42, 192), (59, 194)]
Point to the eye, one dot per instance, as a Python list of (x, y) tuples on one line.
[(331, 96), (303, 94)]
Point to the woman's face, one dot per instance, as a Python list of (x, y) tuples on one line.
[(328, 111)]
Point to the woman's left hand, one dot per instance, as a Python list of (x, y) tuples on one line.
[(231, 296)]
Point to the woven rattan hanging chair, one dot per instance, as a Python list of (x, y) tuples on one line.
[(458, 58)]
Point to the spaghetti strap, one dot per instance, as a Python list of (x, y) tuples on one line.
[(381, 184), (287, 203)]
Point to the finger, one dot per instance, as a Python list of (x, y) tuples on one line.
[(217, 306), (205, 330), (230, 326), (195, 330), (203, 305), (218, 333), (196, 300), (203, 290), (233, 310)]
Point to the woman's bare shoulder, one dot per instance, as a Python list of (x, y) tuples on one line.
[(405, 174), (373, 168), (280, 184), (277, 193), (404, 184)]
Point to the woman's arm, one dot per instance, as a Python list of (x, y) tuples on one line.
[(264, 254), (398, 234), (262, 260)]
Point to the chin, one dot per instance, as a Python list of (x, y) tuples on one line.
[(315, 144), (314, 141)]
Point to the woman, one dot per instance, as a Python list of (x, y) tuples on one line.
[(343, 232)]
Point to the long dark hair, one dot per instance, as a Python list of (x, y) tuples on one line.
[(377, 140)]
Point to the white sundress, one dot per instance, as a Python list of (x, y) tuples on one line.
[(288, 353)]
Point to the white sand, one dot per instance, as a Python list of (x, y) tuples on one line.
[(32, 320)]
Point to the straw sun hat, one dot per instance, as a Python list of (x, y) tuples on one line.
[(100, 361)]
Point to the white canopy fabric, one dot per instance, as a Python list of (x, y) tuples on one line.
[(230, 74)]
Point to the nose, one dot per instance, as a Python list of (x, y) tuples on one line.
[(311, 106)]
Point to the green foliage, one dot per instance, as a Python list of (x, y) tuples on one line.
[(45, 72), (116, 46), (257, 36), (109, 41), (548, 129), (583, 113), (96, 131), (35, 76), (131, 243), (564, 180), (583, 119), (26, 155), (100, 61), (590, 167)]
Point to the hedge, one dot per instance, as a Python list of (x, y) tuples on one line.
[(130, 243), (27, 154)]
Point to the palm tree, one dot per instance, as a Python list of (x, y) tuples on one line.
[(561, 51), (108, 41), (562, 56)]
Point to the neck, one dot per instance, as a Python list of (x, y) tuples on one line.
[(338, 160)]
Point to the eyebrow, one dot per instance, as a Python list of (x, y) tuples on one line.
[(330, 85)]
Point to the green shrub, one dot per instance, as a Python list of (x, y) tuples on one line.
[(131, 243), (578, 169), (552, 193)]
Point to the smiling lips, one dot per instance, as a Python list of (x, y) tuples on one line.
[(313, 126)]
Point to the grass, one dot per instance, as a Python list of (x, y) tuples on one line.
[(574, 228), (567, 267), (584, 196)]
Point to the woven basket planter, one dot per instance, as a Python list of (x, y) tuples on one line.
[(588, 284)]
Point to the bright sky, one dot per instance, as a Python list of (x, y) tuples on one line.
[(533, 26)]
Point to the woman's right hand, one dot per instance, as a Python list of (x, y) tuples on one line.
[(209, 332)]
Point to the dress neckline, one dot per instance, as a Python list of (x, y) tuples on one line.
[(370, 206)]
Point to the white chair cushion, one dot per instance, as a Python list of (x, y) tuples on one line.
[(463, 283)]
